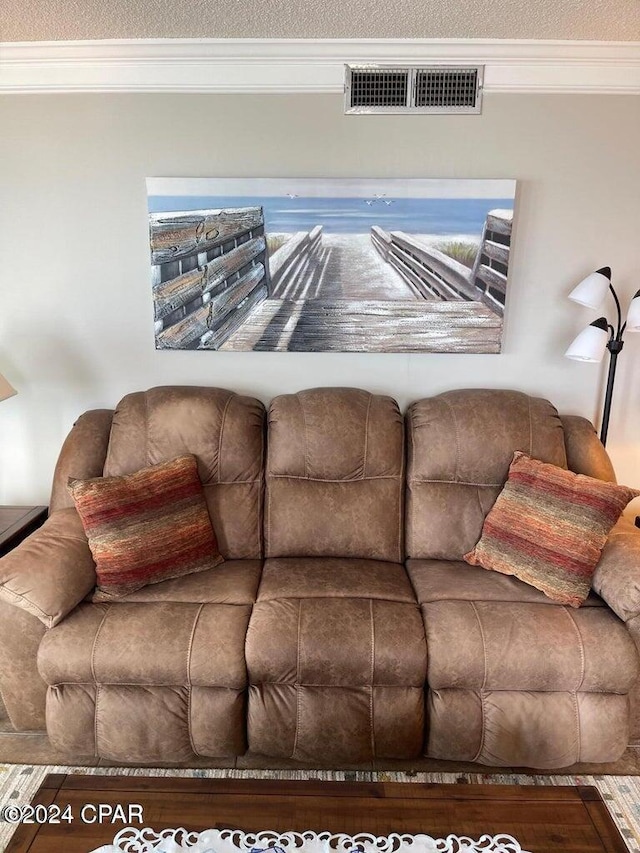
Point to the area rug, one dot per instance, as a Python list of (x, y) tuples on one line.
[(19, 782)]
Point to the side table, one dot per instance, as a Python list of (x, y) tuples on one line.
[(17, 522)]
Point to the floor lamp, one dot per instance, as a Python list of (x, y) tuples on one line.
[(591, 343)]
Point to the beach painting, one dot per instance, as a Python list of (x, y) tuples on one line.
[(330, 265)]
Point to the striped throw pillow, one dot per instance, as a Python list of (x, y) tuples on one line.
[(548, 527), (146, 527)]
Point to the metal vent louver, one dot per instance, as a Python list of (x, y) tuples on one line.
[(433, 89), (379, 87)]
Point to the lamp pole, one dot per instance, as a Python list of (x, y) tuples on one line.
[(614, 345), (599, 335)]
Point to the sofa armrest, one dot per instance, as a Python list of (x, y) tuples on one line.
[(617, 575), (585, 452), (51, 571), (83, 454), (23, 689)]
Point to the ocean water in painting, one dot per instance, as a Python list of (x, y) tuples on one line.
[(437, 216)]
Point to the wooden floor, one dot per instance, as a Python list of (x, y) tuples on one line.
[(541, 818), (350, 325)]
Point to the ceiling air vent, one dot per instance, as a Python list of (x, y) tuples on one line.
[(433, 89)]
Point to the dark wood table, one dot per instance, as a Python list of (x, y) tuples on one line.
[(541, 818), (17, 522)]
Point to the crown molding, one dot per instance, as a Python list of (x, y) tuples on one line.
[(308, 65)]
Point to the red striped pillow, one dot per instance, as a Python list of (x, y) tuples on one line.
[(146, 527), (548, 527)]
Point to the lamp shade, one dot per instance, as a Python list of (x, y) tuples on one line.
[(591, 343), (633, 315), (592, 290), (6, 390)]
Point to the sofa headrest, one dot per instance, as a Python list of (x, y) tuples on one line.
[(469, 436), (223, 429), (335, 434)]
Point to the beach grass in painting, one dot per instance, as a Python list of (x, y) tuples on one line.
[(330, 265)]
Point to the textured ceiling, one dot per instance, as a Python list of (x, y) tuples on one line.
[(35, 20)]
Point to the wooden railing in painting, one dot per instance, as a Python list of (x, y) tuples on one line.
[(489, 273), (209, 270), (285, 263), (430, 273), (434, 275)]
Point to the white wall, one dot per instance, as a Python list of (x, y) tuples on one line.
[(76, 327)]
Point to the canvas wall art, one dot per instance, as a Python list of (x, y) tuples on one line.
[(334, 265)]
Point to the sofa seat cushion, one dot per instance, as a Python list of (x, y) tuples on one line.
[(488, 645), (337, 664), (333, 577), (445, 580), (515, 679), (152, 681), (521, 641), (232, 582)]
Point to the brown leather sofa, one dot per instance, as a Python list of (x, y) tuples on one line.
[(343, 627)]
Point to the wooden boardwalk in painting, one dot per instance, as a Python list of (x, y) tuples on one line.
[(350, 325), (343, 266), (343, 296)]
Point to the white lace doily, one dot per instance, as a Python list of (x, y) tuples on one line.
[(131, 840)]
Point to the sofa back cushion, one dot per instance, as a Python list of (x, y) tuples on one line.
[(460, 446), (224, 431), (335, 470)]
